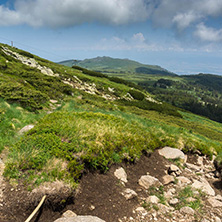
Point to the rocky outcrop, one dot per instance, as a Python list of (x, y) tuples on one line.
[(172, 153)]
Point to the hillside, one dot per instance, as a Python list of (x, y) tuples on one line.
[(62, 126), (113, 65)]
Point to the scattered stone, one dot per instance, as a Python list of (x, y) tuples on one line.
[(167, 179), (129, 194), (92, 207), (217, 219), (25, 129), (174, 201), (146, 181), (214, 202), (53, 101), (200, 160), (183, 180), (164, 209), (190, 199), (187, 210), (141, 210), (152, 199), (204, 186), (192, 167), (68, 214), (172, 153), (121, 175), (80, 219), (169, 193), (173, 169)]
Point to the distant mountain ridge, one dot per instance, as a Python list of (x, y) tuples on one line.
[(112, 65)]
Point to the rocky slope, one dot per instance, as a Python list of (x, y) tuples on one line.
[(165, 186)]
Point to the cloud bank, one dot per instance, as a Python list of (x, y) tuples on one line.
[(179, 15)]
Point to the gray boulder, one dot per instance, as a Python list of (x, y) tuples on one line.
[(80, 219)]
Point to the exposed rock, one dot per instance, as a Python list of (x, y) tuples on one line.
[(129, 194), (80, 219), (164, 209), (174, 201), (120, 173), (169, 193), (217, 219), (214, 202), (187, 210), (25, 129), (68, 214), (167, 179), (146, 181), (200, 160), (192, 167), (174, 169), (204, 186), (172, 153), (152, 199), (183, 180)]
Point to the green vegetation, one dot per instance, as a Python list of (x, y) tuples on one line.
[(87, 132), (195, 202), (111, 65)]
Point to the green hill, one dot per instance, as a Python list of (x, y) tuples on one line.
[(84, 120), (113, 65)]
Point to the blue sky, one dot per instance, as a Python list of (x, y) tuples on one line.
[(183, 36)]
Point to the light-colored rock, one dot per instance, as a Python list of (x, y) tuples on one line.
[(218, 197), (192, 166), (152, 199), (169, 193), (141, 210), (146, 181), (174, 201), (183, 180), (187, 210), (69, 213), (214, 202), (217, 219), (80, 219), (26, 129), (200, 160), (167, 179), (171, 153), (129, 194), (204, 186), (173, 169), (164, 209), (120, 173), (190, 199)]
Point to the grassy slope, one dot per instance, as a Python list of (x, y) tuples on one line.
[(108, 64), (90, 132)]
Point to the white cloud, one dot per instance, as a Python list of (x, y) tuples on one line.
[(59, 13), (208, 34), (138, 37), (184, 20)]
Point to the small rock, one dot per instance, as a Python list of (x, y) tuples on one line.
[(25, 129), (217, 219), (204, 186), (129, 194), (173, 169), (200, 160), (214, 202), (167, 179), (190, 199), (69, 213), (146, 181), (173, 201), (192, 167), (80, 219), (53, 101), (152, 199), (183, 180), (92, 207), (187, 210), (171, 153), (141, 210), (164, 209), (121, 175)]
